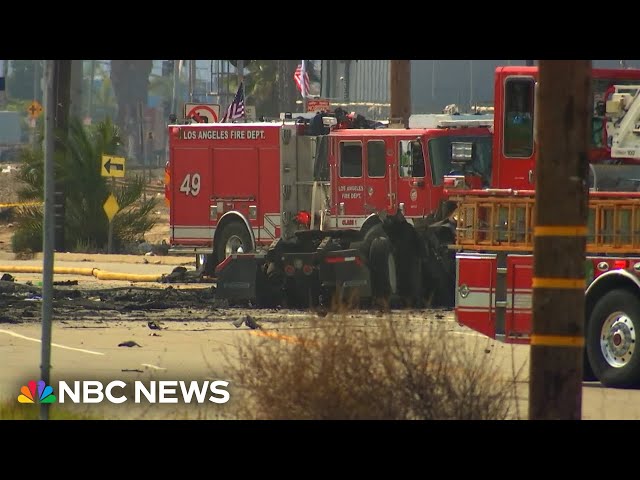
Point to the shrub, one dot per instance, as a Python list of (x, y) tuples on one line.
[(389, 369)]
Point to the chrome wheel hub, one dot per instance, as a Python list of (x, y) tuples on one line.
[(232, 245), (618, 339)]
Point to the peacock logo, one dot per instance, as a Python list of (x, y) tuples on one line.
[(44, 393)]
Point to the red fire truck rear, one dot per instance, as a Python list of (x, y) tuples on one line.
[(289, 217), (494, 261)]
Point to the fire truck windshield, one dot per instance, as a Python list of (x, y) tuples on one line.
[(440, 156)]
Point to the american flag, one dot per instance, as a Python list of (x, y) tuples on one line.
[(236, 109), (301, 72)]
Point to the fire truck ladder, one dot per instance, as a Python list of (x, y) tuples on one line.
[(503, 221)]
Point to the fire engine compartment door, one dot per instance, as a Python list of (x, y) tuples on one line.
[(191, 171), (476, 292), (235, 179), (350, 184), (519, 296), (378, 186), (411, 174), (515, 132)]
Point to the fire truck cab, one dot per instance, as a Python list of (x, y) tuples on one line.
[(494, 241)]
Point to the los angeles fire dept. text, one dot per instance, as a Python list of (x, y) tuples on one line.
[(222, 134)]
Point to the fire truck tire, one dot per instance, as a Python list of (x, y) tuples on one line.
[(234, 234), (611, 339), (587, 371), (376, 231), (271, 286), (382, 264), (206, 261)]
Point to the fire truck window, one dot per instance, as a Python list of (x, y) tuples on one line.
[(440, 157), (417, 159), (350, 159), (404, 158), (376, 164), (411, 161), (518, 117)]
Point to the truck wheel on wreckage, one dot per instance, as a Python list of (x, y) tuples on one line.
[(382, 264), (206, 263), (611, 334), (439, 264), (234, 236)]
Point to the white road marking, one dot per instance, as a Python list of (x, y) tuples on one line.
[(153, 366), (17, 335)]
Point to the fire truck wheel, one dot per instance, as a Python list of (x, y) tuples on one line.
[(372, 233), (233, 236), (587, 371), (382, 264), (206, 261), (611, 339)]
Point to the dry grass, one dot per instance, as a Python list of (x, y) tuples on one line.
[(20, 411), (388, 370)]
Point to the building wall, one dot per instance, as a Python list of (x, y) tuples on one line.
[(437, 83), (434, 83)]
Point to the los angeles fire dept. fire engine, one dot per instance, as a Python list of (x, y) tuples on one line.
[(494, 263), (309, 206)]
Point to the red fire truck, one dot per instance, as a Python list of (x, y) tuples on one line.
[(494, 261), (289, 215)]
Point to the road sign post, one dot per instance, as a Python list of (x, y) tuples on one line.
[(111, 167), (111, 207)]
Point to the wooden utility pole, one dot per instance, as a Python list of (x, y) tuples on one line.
[(561, 210), (400, 79)]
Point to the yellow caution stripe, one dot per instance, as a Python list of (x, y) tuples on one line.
[(557, 340), (560, 231), (559, 283)]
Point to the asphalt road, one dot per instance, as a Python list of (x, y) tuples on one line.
[(198, 344), (200, 350)]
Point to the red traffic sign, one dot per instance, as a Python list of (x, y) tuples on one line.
[(202, 113)]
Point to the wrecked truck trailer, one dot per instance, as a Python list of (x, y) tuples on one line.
[(392, 265), (313, 268)]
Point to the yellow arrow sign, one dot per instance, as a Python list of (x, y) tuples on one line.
[(111, 207), (112, 166)]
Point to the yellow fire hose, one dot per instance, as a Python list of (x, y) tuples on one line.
[(99, 274)]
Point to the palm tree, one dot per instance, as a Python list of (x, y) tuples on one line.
[(130, 81), (261, 87), (86, 224), (104, 102)]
